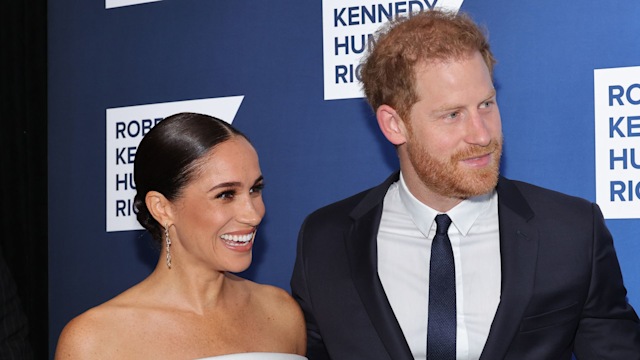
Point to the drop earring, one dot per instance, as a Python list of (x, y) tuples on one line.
[(167, 241)]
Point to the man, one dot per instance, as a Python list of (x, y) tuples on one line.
[(447, 258)]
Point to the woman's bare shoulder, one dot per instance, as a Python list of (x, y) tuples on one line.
[(285, 315), (84, 336), (91, 334), (267, 296), (276, 296)]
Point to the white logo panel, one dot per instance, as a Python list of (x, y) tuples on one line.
[(125, 128), (348, 28), (617, 139), (110, 4)]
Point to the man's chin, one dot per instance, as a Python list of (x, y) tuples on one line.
[(480, 186)]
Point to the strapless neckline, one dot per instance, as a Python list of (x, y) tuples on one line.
[(256, 356)]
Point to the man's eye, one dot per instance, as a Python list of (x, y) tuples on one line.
[(487, 104)]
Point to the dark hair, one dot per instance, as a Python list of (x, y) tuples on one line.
[(389, 69), (167, 156)]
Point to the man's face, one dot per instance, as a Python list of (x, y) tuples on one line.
[(454, 134)]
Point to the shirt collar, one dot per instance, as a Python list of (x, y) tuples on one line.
[(462, 215)]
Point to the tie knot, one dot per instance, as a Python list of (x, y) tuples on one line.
[(442, 222)]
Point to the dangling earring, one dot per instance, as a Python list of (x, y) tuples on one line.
[(168, 244)]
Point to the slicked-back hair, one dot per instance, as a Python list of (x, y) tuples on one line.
[(167, 159)]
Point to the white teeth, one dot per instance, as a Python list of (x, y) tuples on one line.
[(237, 238)]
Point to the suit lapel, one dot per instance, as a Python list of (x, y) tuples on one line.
[(361, 245), (518, 252), (518, 249)]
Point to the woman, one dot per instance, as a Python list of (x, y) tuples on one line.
[(199, 194)]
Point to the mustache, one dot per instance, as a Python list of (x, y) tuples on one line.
[(473, 151)]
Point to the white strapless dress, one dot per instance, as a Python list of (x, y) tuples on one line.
[(256, 356)]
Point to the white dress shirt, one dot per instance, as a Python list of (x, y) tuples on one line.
[(404, 242)]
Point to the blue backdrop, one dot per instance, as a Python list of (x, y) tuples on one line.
[(312, 151)]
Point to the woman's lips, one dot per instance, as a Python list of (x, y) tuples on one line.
[(238, 241)]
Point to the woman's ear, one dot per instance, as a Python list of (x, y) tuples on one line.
[(391, 125), (159, 207)]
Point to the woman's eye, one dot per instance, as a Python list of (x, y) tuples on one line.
[(226, 195), (257, 189)]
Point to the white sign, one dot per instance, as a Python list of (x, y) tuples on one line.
[(125, 128), (617, 139), (348, 28), (110, 4)]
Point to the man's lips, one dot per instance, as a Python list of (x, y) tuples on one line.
[(478, 161)]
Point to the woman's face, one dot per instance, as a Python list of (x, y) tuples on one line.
[(217, 214)]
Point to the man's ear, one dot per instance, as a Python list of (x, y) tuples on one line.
[(391, 125), (159, 207)]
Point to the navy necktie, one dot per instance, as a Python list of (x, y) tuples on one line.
[(441, 330)]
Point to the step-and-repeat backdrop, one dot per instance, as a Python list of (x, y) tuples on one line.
[(286, 74)]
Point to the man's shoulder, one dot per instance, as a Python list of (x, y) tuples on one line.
[(341, 207), (538, 196), (352, 206)]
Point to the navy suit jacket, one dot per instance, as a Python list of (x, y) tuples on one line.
[(561, 291)]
